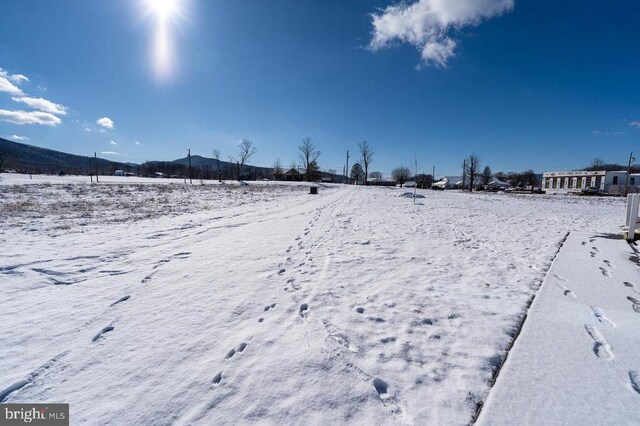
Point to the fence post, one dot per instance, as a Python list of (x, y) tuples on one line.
[(633, 204)]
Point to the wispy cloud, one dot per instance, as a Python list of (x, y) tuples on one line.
[(105, 122), (8, 82), (29, 117), (606, 133), (42, 104), (429, 24), (19, 138), (109, 153), (113, 142), (137, 142), (635, 124)]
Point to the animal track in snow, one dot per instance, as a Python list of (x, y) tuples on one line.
[(605, 272), (269, 307), (360, 310), (282, 271), (600, 346), (635, 303), (230, 354), (122, 299), (599, 314), (634, 378), (102, 332)]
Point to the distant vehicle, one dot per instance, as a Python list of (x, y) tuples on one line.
[(120, 173), (592, 191)]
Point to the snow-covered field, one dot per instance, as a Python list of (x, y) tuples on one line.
[(262, 303)]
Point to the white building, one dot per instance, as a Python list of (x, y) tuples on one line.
[(576, 181)]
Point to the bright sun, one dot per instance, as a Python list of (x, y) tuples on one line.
[(166, 14), (164, 9)]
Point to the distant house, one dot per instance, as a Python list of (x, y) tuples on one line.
[(295, 174), (448, 182), (608, 182), (120, 173), (381, 182)]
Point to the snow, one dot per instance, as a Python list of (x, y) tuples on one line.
[(576, 360), (261, 303)]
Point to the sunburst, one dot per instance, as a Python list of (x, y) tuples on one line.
[(166, 14)]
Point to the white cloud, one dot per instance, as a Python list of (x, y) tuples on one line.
[(7, 83), (109, 153), (19, 138), (42, 105), (18, 78), (137, 142), (29, 117), (428, 24), (635, 124), (113, 142), (86, 129), (105, 122)]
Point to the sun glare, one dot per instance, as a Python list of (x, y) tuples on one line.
[(166, 15), (164, 9)]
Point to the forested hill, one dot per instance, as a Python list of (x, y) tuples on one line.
[(33, 159)]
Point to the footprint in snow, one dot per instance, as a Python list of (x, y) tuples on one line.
[(282, 271), (635, 303), (102, 332), (600, 316), (217, 378), (304, 310), (122, 299), (634, 378), (269, 307), (241, 347), (601, 348), (605, 272)]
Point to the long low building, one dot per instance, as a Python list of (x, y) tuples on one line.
[(609, 182)]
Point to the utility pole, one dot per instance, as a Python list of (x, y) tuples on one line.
[(626, 185), (189, 155), (95, 155), (464, 174), (346, 169), (90, 172), (433, 175)]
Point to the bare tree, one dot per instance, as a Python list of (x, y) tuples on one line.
[(366, 157), (597, 164), (416, 170), (216, 156), (472, 170), (278, 171), (375, 175), (308, 154), (401, 174), (486, 176), (247, 150)]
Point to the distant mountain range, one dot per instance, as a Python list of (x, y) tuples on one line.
[(32, 159)]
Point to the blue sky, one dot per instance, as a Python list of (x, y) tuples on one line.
[(537, 84)]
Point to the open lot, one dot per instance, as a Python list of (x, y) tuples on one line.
[(158, 303)]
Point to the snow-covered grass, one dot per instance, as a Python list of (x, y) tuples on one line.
[(354, 305)]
